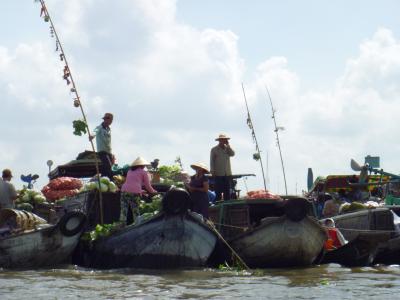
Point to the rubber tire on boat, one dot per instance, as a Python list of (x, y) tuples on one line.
[(176, 201), (62, 224), (296, 209)]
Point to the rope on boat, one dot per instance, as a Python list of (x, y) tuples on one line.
[(67, 75), (367, 230), (232, 226), (211, 224)]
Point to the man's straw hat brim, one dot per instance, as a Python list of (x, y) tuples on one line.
[(222, 137)]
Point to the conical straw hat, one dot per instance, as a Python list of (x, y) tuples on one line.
[(140, 161), (200, 166)]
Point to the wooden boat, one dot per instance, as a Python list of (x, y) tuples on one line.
[(356, 253), (175, 238), (389, 251), (27, 241), (271, 232), (375, 225)]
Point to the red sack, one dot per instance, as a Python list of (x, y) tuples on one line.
[(65, 183), (53, 195), (261, 194)]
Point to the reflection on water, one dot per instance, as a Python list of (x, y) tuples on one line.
[(319, 282)]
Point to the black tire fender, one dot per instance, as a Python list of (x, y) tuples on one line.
[(296, 209), (72, 223), (176, 201)]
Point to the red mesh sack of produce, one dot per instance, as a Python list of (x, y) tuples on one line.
[(53, 195), (65, 183), (261, 194)]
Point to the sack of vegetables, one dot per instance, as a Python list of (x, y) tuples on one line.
[(61, 187)]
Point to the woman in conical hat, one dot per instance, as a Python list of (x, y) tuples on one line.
[(198, 188), (131, 190)]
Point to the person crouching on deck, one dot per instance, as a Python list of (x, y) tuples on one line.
[(198, 189), (131, 190)]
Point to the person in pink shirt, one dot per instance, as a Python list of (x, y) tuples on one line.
[(132, 190)]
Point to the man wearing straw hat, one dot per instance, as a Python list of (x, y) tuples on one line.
[(220, 166), (103, 144), (132, 190), (7, 191)]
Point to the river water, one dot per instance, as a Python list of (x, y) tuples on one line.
[(318, 282)]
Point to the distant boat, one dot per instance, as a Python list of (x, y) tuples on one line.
[(27, 241), (271, 232), (375, 225)]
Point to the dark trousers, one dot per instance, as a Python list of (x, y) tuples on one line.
[(105, 168), (222, 185)]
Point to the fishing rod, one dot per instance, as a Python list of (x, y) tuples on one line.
[(277, 138), (257, 155), (67, 76)]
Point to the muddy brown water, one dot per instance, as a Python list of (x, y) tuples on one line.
[(318, 282)]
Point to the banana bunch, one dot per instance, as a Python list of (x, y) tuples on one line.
[(119, 180)]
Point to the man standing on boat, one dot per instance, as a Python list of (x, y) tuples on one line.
[(103, 144), (220, 164), (7, 191)]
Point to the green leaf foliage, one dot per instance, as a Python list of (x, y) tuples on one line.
[(80, 127)]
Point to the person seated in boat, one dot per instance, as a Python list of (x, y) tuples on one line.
[(393, 196), (343, 196), (335, 237), (198, 189), (211, 196), (331, 207), (376, 195), (131, 190), (320, 202)]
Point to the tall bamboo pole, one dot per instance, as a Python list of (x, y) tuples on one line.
[(78, 103)]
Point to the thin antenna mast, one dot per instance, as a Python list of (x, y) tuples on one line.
[(253, 134), (277, 138)]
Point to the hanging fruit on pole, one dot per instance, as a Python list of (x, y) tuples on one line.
[(76, 102)]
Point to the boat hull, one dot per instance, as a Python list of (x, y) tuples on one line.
[(46, 246), (281, 242), (356, 253), (164, 242), (376, 226)]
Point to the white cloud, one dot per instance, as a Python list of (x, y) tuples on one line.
[(173, 88)]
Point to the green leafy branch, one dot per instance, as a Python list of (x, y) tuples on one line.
[(80, 127)]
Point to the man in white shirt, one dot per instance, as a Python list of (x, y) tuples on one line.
[(7, 191)]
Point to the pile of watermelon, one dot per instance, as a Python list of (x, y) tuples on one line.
[(61, 187), (261, 194)]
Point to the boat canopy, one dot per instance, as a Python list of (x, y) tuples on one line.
[(335, 183)]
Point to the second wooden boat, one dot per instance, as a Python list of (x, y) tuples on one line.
[(271, 232)]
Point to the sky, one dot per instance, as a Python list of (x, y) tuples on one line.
[(171, 72)]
